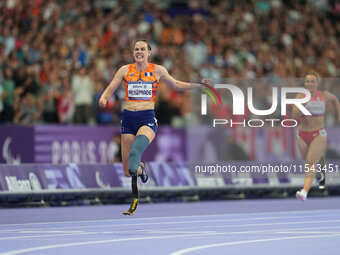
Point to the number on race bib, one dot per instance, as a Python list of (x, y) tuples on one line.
[(140, 91)]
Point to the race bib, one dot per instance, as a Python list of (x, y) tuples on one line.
[(140, 91)]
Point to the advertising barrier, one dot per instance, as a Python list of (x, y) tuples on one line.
[(48, 177), (81, 144), (89, 145)]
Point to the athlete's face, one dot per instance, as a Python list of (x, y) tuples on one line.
[(311, 82), (141, 52)]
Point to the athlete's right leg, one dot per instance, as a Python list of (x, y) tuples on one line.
[(127, 141), (143, 126), (303, 148), (316, 150), (144, 137)]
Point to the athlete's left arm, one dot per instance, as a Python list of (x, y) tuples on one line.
[(165, 77), (329, 97)]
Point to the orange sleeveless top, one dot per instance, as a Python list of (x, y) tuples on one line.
[(141, 86)]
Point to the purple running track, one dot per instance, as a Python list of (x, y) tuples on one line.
[(256, 227)]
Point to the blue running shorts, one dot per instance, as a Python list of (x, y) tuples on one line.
[(133, 120)]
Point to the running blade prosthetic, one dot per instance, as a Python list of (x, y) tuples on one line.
[(132, 208), (135, 194)]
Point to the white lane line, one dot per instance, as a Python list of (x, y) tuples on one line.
[(175, 223), (194, 234), (201, 247), (124, 218), (36, 236), (266, 224), (46, 247), (180, 232), (76, 234), (188, 228), (46, 231), (219, 226), (271, 230), (308, 232)]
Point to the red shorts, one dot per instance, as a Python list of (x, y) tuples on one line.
[(308, 136)]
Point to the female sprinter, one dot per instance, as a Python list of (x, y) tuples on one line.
[(312, 136), (139, 125)]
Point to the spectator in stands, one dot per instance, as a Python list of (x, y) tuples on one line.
[(50, 92), (7, 97), (83, 92), (65, 103), (234, 39), (2, 96), (28, 111)]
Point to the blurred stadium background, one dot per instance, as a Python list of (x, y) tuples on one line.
[(57, 57)]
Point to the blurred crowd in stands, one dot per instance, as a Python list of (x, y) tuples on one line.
[(57, 56)]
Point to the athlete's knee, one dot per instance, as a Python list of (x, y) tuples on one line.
[(310, 167), (134, 153), (310, 162), (126, 167)]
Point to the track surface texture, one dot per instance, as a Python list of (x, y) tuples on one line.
[(256, 227)]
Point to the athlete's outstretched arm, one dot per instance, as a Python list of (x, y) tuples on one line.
[(334, 100), (171, 81), (114, 84)]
